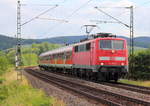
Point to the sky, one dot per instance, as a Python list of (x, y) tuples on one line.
[(69, 17)]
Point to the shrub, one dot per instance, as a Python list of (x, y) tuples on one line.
[(141, 65), (4, 64)]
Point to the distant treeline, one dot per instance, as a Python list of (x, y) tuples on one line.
[(9, 42)]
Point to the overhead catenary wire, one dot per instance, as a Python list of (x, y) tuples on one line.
[(23, 4), (70, 15), (53, 19), (137, 7), (39, 15), (103, 21), (75, 11), (112, 17)]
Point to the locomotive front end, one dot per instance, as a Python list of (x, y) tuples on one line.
[(112, 58)]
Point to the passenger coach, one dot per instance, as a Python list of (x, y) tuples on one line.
[(102, 58)]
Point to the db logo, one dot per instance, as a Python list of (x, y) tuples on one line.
[(112, 58)]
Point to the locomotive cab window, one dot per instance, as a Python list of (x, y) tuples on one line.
[(105, 44), (76, 48), (118, 44), (111, 44), (88, 46)]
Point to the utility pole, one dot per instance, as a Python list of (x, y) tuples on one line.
[(18, 43), (131, 31), (131, 39)]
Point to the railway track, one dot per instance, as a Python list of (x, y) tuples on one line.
[(135, 88), (101, 96)]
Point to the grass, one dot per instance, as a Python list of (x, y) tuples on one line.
[(20, 93), (140, 83)]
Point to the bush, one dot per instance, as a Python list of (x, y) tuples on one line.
[(3, 93), (1, 80), (4, 64), (141, 65), (29, 59)]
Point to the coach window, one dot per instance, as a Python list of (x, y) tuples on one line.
[(57, 56), (61, 56), (88, 46), (44, 58), (47, 58), (82, 48), (50, 57), (76, 48), (54, 56)]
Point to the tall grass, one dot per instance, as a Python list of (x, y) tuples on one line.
[(15, 94), (140, 83), (20, 93)]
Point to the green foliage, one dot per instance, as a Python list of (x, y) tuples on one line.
[(4, 64), (30, 53), (11, 57), (15, 94), (141, 65), (43, 47), (3, 93), (1, 80), (29, 59)]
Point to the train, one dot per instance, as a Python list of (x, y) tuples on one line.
[(102, 57)]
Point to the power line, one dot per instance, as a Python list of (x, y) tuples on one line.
[(102, 21), (112, 17), (79, 8), (114, 7), (60, 20), (38, 15), (75, 11), (146, 2), (38, 4)]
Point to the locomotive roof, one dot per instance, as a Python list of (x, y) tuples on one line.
[(59, 50)]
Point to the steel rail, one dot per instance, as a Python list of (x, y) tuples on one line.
[(84, 93), (63, 82), (135, 88)]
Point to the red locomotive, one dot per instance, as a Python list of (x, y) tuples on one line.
[(103, 58)]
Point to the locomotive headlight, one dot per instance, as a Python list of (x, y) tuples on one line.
[(120, 58), (122, 64), (104, 58), (102, 63)]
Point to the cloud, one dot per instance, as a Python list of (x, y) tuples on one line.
[(43, 28), (8, 17)]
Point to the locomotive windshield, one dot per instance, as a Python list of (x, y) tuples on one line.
[(111, 44)]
